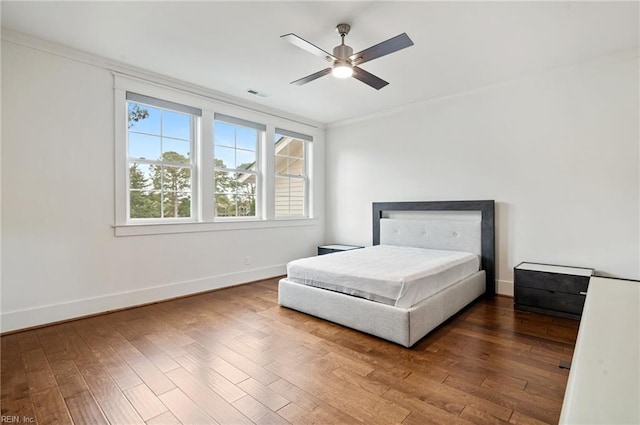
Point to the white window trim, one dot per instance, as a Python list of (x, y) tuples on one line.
[(307, 148), (203, 217)]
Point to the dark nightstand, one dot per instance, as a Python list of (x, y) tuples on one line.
[(328, 249), (555, 290)]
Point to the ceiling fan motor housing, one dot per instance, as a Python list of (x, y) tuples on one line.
[(342, 51)]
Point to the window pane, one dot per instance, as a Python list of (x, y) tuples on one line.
[(235, 194), (289, 158), (177, 204), (289, 206), (235, 146), (296, 206), (225, 157), (296, 167), (176, 125), (246, 206), (296, 188), (143, 118), (185, 205), (296, 148), (282, 196), (246, 178), (175, 179), (282, 186), (245, 160), (180, 150), (246, 184), (140, 176), (224, 134), (246, 138), (225, 205), (282, 206), (144, 146), (225, 183), (282, 145), (144, 204), (281, 164), (290, 194)]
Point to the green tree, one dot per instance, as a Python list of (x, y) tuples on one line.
[(175, 184), (235, 193), (225, 187), (136, 113), (142, 202), (246, 194)]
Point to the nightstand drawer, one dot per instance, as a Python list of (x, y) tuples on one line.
[(552, 281), (551, 289), (550, 300)]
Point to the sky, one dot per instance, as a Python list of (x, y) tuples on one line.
[(167, 131)]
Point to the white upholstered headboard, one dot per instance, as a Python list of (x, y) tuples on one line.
[(449, 225), (450, 235)]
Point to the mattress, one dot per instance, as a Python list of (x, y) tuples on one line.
[(395, 275)]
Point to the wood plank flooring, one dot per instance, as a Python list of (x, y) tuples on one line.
[(234, 356)]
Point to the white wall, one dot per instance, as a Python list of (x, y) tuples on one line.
[(60, 258), (558, 152)]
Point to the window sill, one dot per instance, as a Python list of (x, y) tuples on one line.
[(216, 226)]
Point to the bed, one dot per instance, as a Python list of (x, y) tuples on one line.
[(385, 290)]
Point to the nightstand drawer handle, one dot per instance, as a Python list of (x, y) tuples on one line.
[(583, 292)]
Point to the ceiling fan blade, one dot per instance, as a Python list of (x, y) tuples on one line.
[(368, 78), (394, 44), (314, 76), (305, 45)]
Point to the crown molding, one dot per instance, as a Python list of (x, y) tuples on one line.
[(621, 55), (70, 53)]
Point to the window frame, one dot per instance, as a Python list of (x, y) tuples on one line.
[(203, 187), (192, 166), (260, 140), (306, 147)]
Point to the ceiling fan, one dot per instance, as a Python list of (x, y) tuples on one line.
[(345, 63)]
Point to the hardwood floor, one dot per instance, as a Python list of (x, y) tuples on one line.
[(235, 357)]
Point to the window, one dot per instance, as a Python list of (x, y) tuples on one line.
[(236, 144), (160, 138), (188, 163), (290, 173)]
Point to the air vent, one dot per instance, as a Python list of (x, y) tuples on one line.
[(257, 93)]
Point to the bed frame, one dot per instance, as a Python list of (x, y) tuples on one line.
[(453, 225)]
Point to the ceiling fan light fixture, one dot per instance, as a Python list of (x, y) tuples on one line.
[(344, 63), (342, 70)]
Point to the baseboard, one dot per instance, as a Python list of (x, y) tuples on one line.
[(12, 321), (504, 287)]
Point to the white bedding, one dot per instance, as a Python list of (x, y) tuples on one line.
[(394, 275)]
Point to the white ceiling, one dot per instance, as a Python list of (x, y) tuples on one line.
[(231, 47)]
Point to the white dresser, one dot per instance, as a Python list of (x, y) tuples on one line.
[(604, 380)]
